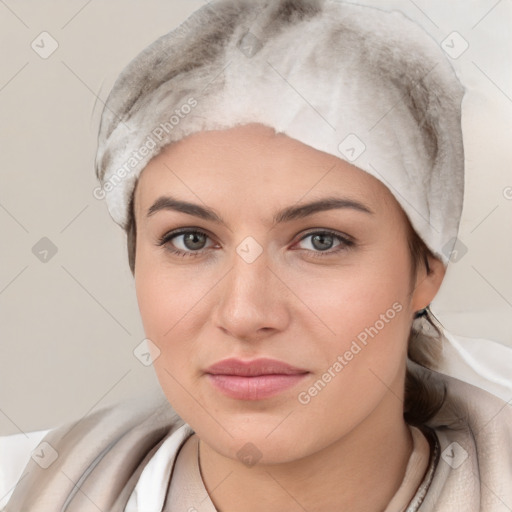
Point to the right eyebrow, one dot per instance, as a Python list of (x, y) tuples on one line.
[(170, 203)]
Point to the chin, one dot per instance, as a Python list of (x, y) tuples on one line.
[(254, 447)]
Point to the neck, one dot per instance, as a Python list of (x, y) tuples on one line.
[(359, 472)]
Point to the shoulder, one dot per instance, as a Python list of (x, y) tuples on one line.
[(110, 445), (474, 470)]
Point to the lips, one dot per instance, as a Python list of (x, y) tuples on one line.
[(253, 380)]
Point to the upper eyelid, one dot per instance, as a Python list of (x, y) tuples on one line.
[(170, 235), (197, 229), (341, 236), (313, 231), (167, 237)]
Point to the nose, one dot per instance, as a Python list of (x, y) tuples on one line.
[(253, 302)]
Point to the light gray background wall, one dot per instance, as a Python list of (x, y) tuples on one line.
[(69, 324)]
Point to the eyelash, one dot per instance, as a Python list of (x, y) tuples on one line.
[(164, 241), (345, 242)]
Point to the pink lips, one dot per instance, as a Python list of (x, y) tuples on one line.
[(253, 380)]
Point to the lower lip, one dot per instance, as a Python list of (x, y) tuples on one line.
[(254, 388)]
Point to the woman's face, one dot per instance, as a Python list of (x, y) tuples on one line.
[(252, 246)]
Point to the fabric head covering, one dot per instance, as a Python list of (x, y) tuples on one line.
[(367, 86)]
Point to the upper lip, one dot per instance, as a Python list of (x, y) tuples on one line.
[(253, 368)]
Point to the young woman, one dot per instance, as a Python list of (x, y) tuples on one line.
[(290, 175)]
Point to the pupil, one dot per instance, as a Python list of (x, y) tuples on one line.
[(322, 242), (194, 241)]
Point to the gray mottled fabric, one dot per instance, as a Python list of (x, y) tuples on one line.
[(368, 86)]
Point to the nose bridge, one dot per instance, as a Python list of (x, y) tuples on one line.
[(248, 283), (249, 300)]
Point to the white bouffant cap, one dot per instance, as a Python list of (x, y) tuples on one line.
[(368, 86)]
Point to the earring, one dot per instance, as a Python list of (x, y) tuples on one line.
[(421, 313)]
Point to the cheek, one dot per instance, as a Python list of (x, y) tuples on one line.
[(166, 304), (366, 309), (169, 300), (363, 358), (175, 305), (352, 298)]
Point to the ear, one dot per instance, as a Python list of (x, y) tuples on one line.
[(427, 283)]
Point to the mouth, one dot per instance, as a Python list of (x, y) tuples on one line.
[(253, 380)]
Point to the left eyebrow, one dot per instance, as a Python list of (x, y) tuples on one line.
[(329, 203)]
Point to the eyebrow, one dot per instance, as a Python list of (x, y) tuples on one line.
[(328, 203), (286, 215), (170, 203)]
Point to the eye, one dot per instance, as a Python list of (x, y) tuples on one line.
[(189, 242), (324, 242)]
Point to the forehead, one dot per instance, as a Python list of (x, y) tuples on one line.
[(251, 165)]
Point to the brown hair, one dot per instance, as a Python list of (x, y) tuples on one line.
[(423, 396), (131, 232)]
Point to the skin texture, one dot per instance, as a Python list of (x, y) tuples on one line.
[(347, 448)]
